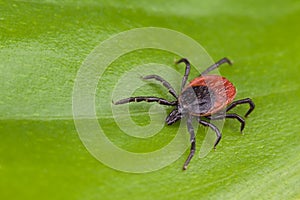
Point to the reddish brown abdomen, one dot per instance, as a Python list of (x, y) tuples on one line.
[(222, 89)]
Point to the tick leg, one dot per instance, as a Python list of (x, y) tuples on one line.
[(229, 115), (215, 129), (193, 142), (147, 99), (187, 71), (242, 101), (164, 82), (216, 65)]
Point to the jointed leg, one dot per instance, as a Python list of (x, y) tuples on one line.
[(187, 71), (229, 115), (216, 65), (242, 101), (193, 142), (147, 99), (163, 81), (214, 128)]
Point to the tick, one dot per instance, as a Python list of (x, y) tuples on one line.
[(207, 97)]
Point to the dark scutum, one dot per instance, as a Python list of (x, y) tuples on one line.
[(198, 99)]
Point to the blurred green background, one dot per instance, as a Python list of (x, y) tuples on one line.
[(42, 46)]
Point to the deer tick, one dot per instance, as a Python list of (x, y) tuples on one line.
[(207, 97)]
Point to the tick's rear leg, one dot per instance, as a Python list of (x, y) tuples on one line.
[(147, 99), (164, 82), (242, 101), (214, 128), (193, 142), (229, 115)]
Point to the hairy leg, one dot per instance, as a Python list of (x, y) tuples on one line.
[(242, 101), (192, 140), (164, 82), (147, 99)]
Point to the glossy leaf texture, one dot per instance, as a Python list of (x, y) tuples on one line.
[(42, 46)]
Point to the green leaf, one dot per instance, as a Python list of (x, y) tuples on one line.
[(42, 47)]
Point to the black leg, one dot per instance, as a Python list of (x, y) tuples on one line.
[(242, 101), (193, 142), (164, 82), (147, 99), (229, 115), (187, 71), (216, 65), (173, 117), (214, 128)]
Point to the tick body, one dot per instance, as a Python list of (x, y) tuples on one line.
[(207, 97)]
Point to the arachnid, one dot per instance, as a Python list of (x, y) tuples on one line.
[(207, 97)]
